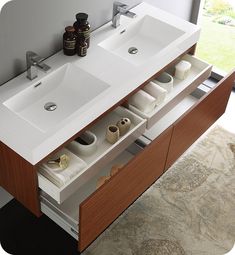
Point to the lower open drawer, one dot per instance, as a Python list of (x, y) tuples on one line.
[(66, 214), (89, 211)]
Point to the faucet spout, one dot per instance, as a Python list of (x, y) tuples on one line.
[(118, 10), (35, 62)]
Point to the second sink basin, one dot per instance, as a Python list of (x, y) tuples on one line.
[(55, 97), (145, 38)]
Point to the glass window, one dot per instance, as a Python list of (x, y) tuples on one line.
[(217, 41)]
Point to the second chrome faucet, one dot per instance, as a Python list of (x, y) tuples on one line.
[(118, 10), (35, 62)]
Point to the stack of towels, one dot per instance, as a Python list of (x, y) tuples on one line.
[(147, 99), (59, 172)]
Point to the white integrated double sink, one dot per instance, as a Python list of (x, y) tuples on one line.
[(75, 86)]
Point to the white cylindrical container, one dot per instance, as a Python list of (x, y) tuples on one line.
[(182, 69), (85, 144), (165, 80), (143, 101), (156, 91)]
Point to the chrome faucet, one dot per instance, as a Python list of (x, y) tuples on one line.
[(118, 10), (35, 62)]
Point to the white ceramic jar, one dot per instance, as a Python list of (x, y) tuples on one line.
[(182, 69), (165, 80), (85, 144)]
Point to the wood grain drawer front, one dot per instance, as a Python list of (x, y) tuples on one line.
[(99, 210), (199, 118), (105, 153), (199, 72)]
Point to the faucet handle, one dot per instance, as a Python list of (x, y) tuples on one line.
[(117, 5)]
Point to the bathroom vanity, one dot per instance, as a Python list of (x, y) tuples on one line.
[(29, 136)]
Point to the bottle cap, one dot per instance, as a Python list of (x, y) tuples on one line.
[(82, 17), (69, 29)]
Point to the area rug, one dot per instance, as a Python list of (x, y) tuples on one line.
[(190, 210)]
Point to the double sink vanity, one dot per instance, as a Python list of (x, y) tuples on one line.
[(89, 94)]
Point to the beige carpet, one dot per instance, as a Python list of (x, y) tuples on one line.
[(189, 210)]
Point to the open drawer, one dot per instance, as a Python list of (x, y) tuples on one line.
[(89, 211), (105, 153), (199, 72), (67, 214)]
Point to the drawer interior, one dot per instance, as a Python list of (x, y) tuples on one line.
[(66, 214), (174, 114), (199, 72), (105, 153)]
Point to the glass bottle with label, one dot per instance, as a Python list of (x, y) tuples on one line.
[(82, 27), (81, 46), (69, 41)]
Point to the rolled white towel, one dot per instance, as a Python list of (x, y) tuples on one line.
[(156, 91), (143, 101)]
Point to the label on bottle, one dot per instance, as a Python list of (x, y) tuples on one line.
[(83, 51), (70, 45), (86, 34)]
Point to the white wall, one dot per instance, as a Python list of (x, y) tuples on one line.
[(38, 25), (181, 8)]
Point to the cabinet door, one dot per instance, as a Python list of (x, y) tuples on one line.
[(99, 210), (199, 118), (19, 178)]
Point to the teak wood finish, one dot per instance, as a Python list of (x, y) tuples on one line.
[(199, 118), (99, 210), (19, 178)]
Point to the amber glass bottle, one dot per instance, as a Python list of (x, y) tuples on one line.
[(82, 27), (81, 46), (69, 41)]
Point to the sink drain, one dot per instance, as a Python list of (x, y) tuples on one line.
[(132, 50), (50, 106)]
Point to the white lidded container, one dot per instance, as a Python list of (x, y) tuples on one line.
[(182, 69)]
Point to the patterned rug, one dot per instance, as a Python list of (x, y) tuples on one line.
[(190, 210)]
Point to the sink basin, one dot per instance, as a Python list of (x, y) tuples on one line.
[(148, 35), (55, 97)]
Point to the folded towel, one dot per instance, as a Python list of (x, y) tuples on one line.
[(156, 91), (143, 101), (60, 176)]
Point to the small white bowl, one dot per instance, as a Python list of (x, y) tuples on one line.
[(165, 80), (85, 144)]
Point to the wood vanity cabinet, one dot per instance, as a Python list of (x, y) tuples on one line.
[(101, 207), (199, 118)]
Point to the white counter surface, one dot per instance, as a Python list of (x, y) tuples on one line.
[(122, 76)]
